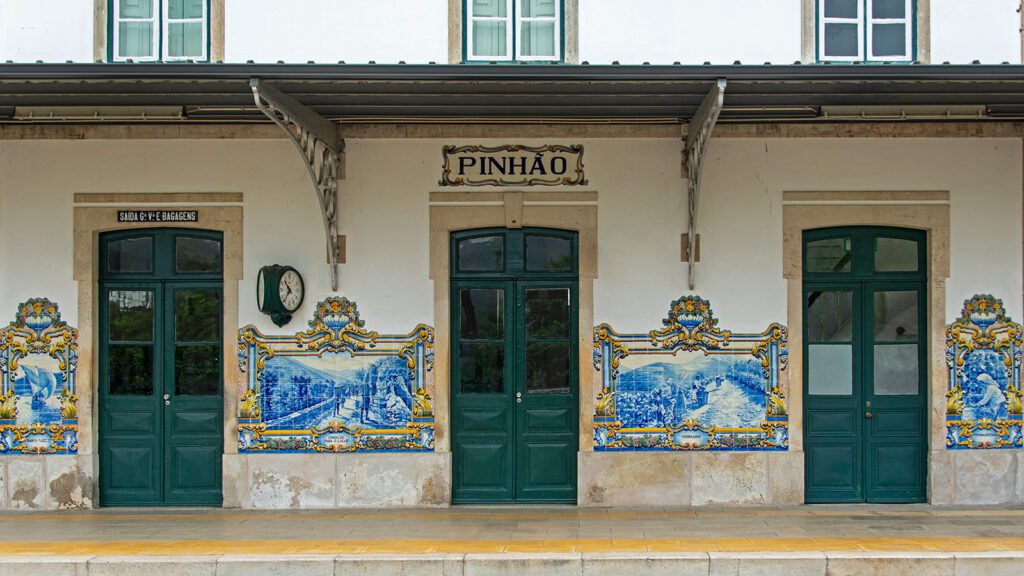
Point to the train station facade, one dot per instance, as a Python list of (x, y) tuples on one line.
[(398, 285)]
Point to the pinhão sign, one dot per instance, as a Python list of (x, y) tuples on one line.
[(513, 165)]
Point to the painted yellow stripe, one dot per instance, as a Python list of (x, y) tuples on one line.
[(491, 514), (215, 547)]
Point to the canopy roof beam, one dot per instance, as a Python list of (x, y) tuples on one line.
[(697, 138), (317, 141)]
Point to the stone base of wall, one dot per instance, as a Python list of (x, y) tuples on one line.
[(51, 482), (976, 477), (690, 478), (372, 480)]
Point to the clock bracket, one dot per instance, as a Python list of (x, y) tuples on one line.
[(317, 141)]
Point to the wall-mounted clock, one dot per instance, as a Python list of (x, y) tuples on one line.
[(279, 292)]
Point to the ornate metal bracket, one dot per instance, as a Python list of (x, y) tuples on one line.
[(697, 138), (318, 142)]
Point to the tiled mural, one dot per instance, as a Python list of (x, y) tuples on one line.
[(38, 405), (983, 353), (690, 385), (336, 387)]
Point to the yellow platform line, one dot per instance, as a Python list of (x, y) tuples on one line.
[(480, 514), (218, 547)]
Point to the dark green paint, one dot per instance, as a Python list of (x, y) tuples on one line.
[(851, 457), (153, 453), (506, 450)]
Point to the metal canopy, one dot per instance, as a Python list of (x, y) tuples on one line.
[(220, 93)]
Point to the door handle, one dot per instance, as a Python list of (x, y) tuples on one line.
[(167, 399), (519, 397), (869, 415)]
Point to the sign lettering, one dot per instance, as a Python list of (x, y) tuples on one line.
[(143, 216), (513, 165)]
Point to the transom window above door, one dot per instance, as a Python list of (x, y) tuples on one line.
[(866, 30), (159, 30), (513, 30)]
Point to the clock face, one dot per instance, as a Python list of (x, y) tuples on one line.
[(291, 290), (260, 296)]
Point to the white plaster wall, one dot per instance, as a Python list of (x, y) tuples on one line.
[(641, 216), (357, 31), (690, 31), (986, 30), (48, 30)]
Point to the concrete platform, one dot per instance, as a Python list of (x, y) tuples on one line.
[(808, 540)]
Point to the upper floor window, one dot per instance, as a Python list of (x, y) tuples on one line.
[(514, 30), (865, 30), (160, 30)]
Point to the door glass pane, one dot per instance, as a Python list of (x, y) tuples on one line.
[(895, 315), (548, 253), (130, 370), (136, 8), (538, 8), (888, 8), (889, 40), (547, 313), (840, 39), (196, 255), (185, 39), (830, 368), (489, 38), (130, 256), (895, 255), (841, 8), (130, 315), (896, 370), (490, 8), (830, 316), (484, 254), (197, 369), (547, 367), (829, 255), (537, 39), (482, 367), (135, 39), (482, 313), (197, 315)]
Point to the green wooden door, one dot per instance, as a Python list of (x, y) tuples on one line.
[(865, 355), (514, 366), (161, 373)]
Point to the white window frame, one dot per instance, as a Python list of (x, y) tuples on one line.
[(509, 32), (908, 23), (859, 21), (557, 19), (513, 27), (165, 27), (155, 47)]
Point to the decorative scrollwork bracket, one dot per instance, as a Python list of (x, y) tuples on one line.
[(697, 138), (317, 140)]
